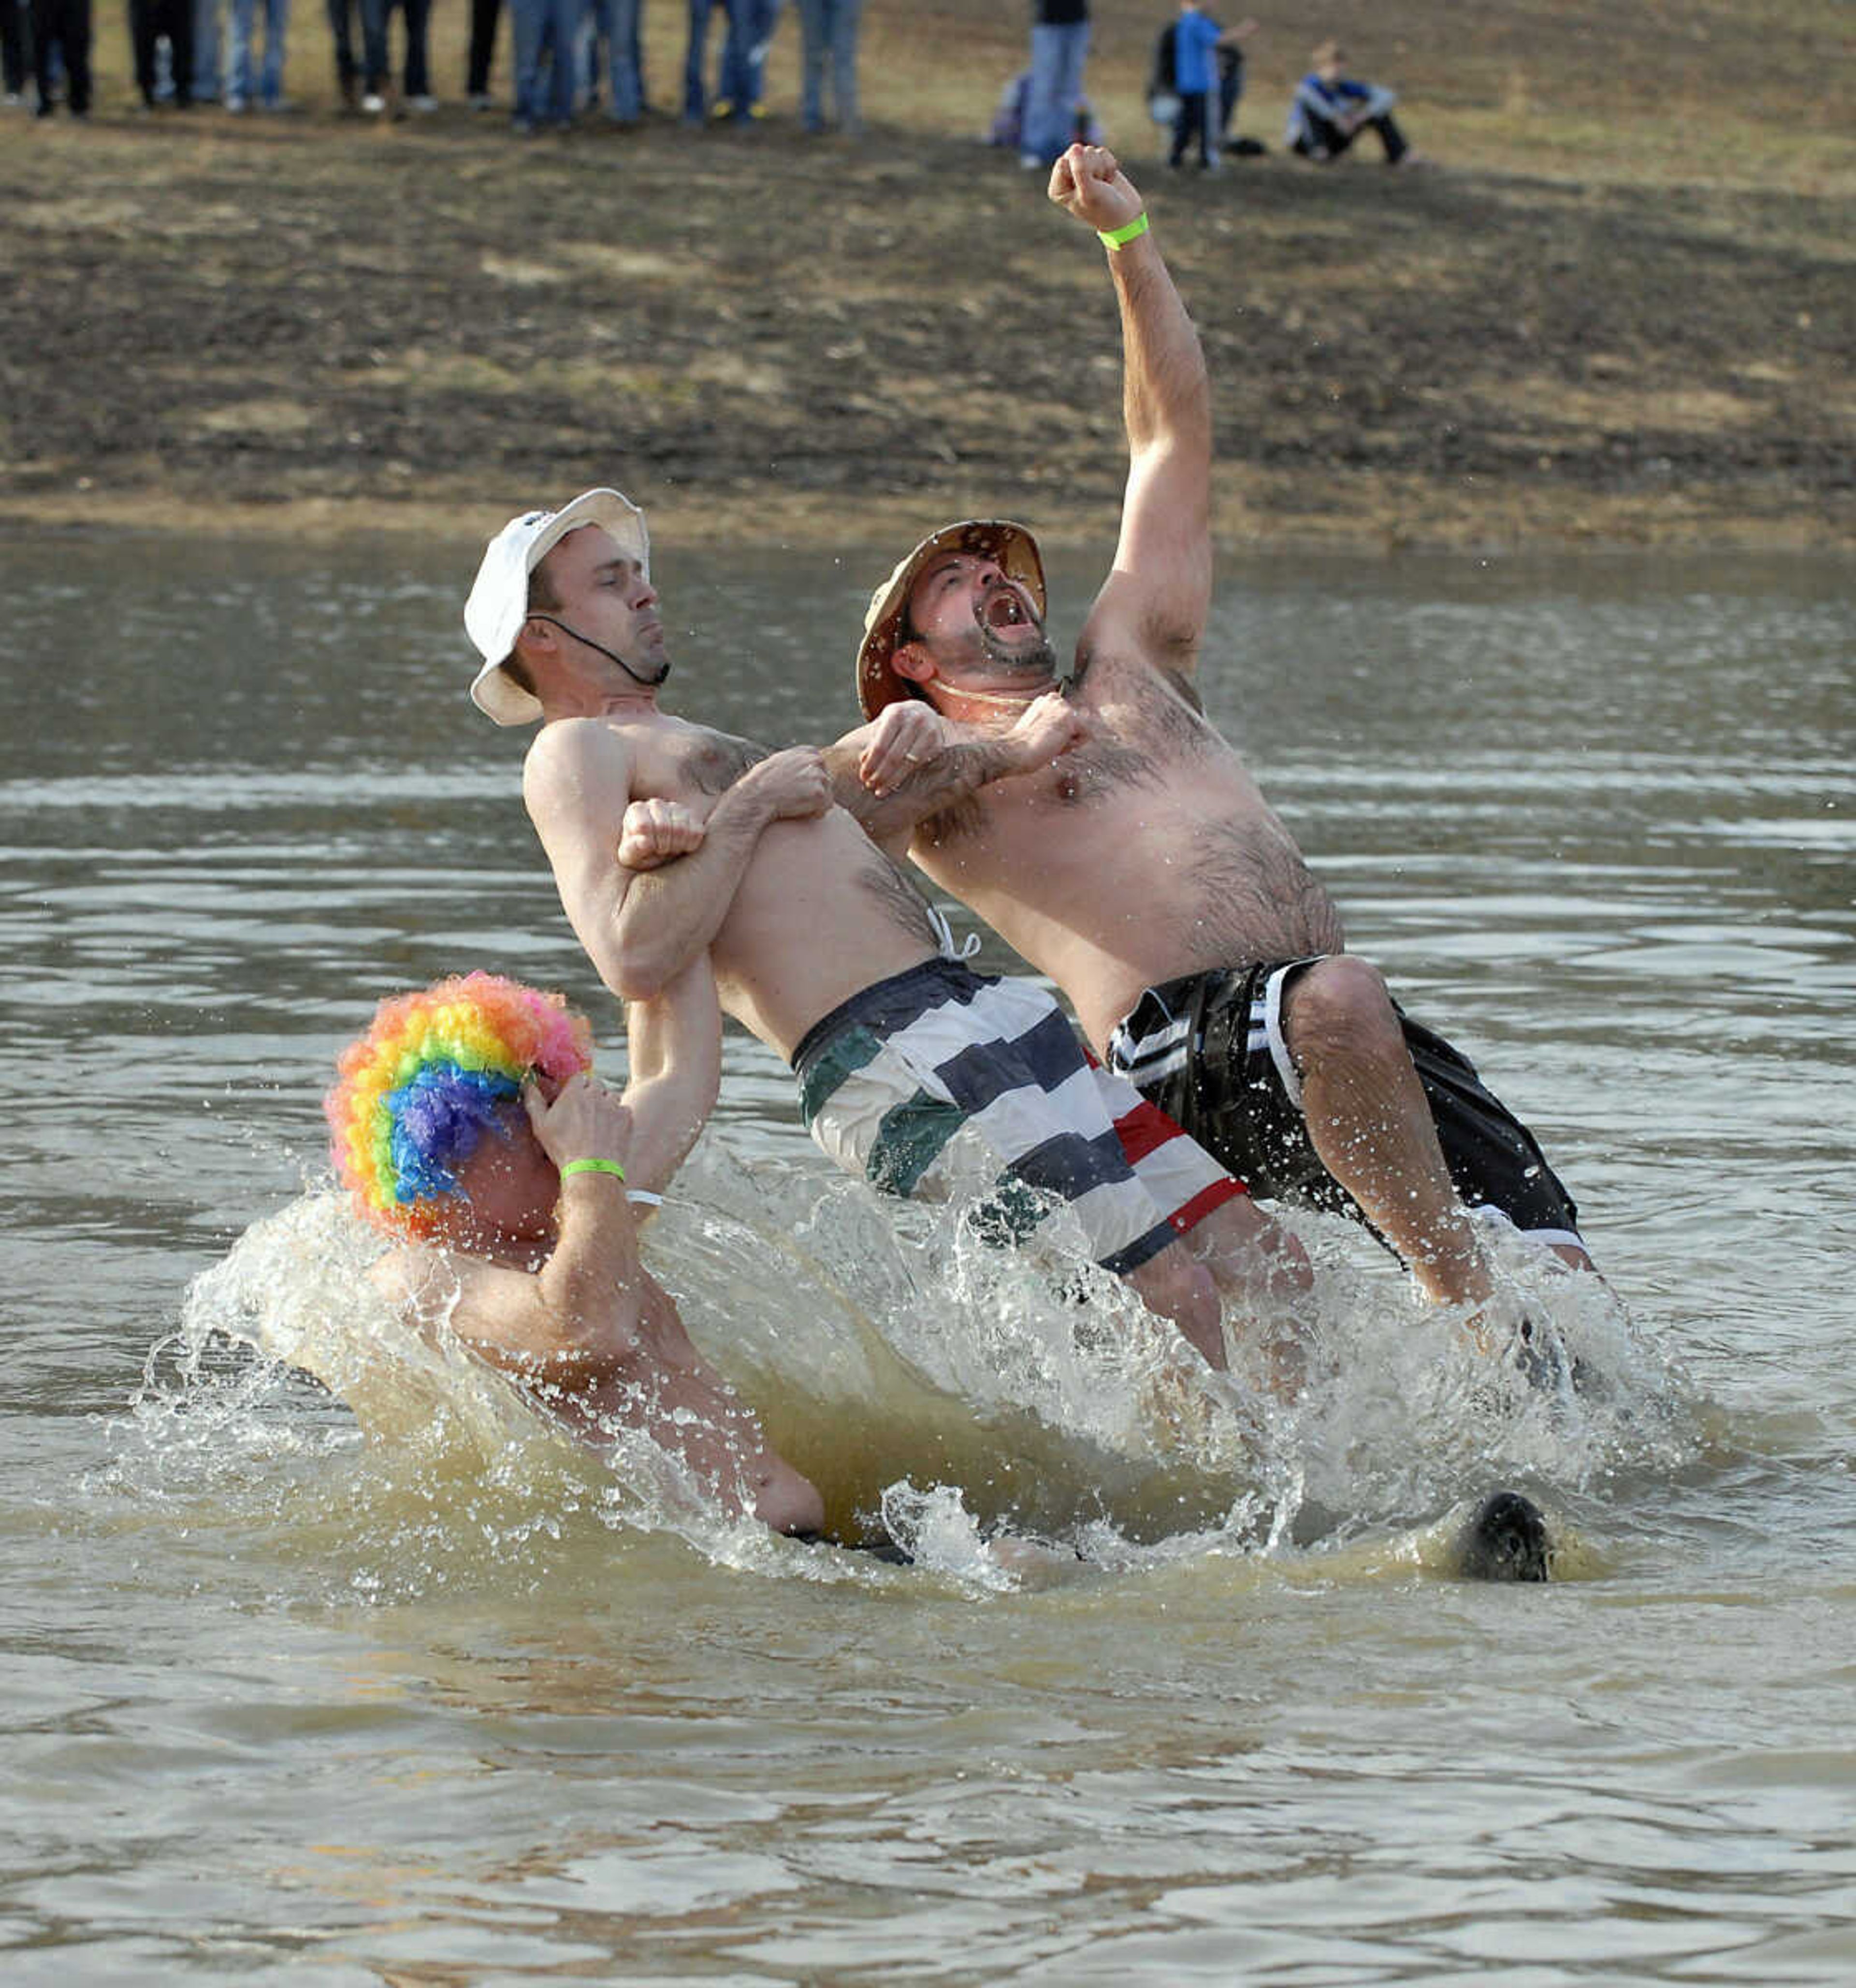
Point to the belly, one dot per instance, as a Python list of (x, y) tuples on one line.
[(1112, 895), (820, 915)]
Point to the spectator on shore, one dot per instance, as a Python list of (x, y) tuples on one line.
[(1060, 47), (207, 15), (376, 16), (1330, 109), (695, 97), (1198, 39), (827, 30), (150, 22), (1008, 119), (481, 53), (545, 33), (751, 33), (61, 29), (614, 25), (1231, 89), (14, 39), (347, 34), (245, 82)]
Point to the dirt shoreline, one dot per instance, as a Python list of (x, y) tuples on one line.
[(321, 327)]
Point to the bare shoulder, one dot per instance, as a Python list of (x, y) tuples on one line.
[(419, 1283), (569, 749), (580, 774)]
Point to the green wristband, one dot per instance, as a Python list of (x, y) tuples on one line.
[(593, 1167), (1118, 237)]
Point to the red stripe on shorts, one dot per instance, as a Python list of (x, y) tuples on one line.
[(1202, 1204), (1143, 1130)]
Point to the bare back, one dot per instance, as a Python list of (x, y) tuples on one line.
[(819, 913), (1147, 852)]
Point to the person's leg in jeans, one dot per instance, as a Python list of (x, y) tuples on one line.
[(1044, 113), (1073, 53), (695, 96), (814, 19), (737, 84), (527, 19), (239, 79), (374, 48), (206, 50), (845, 16), (624, 102), (277, 27), (563, 25)]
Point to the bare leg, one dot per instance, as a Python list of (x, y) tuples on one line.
[(1368, 1119)]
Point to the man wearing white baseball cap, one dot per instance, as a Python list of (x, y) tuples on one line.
[(669, 839), (1145, 873)]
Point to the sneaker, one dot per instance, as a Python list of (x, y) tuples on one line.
[(374, 103), (236, 106), (423, 104), (721, 111), (481, 100), (1031, 162), (1507, 1540)]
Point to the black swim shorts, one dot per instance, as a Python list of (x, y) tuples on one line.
[(1208, 1049)]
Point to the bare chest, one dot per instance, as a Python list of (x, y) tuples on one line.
[(691, 764)]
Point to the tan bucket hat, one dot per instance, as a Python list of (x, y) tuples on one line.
[(1011, 545)]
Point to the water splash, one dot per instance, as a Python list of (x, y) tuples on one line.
[(887, 1348)]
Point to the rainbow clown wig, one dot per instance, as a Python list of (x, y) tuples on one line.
[(415, 1094)]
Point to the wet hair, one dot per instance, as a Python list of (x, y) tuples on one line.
[(413, 1096)]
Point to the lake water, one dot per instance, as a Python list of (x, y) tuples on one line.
[(433, 1701)]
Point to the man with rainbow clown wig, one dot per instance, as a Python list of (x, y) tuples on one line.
[(673, 843), (468, 1125)]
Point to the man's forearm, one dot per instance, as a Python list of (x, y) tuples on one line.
[(959, 768), (591, 1284), (1166, 394), (669, 916)]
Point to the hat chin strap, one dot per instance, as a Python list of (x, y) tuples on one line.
[(611, 655)]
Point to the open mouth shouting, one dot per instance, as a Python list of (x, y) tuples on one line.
[(1010, 633)]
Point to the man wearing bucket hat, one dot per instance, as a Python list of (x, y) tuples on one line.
[(1143, 871), (669, 840)]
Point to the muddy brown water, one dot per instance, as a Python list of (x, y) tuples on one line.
[(288, 1701)]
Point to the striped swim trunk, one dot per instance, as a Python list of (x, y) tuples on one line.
[(943, 1082), (1209, 1050)]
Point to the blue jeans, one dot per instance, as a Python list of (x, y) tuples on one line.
[(616, 23), (1057, 55), (828, 32), (206, 50), (239, 79), (695, 100), (549, 25), (744, 56)]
